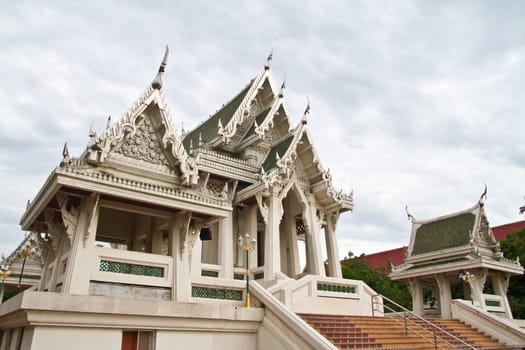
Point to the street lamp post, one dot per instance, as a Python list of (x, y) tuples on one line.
[(25, 252), (5, 275), (467, 277), (247, 244)]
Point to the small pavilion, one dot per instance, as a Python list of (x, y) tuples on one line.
[(456, 256)]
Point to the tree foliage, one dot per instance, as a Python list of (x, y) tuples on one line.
[(513, 247), (377, 279)]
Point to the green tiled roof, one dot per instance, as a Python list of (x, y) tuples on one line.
[(446, 233), (259, 119), (208, 129), (281, 148)]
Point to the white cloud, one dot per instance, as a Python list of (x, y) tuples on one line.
[(413, 103)]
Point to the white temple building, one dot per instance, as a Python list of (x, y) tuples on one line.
[(150, 238)]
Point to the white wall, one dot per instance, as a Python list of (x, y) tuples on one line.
[(64, 338), (205, 340)]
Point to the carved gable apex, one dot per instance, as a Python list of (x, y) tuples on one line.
[(145, 133), (143, 144)]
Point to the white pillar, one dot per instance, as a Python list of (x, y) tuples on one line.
[(477, 283), (313, 241), (251, 228), (332, 250), (196, 259), (414, 286), (445, 295), (500, 283), (81, 259), (181, 285), (226, 247), (290, 252), (272, 257)]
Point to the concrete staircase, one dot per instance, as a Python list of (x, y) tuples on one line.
[(367, 332)]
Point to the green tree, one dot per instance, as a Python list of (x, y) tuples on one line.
[(513, 247), (377, 279)]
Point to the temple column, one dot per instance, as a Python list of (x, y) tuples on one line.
[(500, 283), (477, 283), (226, 247), (196, 259), (177, 234), (334, 264), (81, 259), (62, 245), (290, 251), (445, 296), (272, 256), (414, 286), (313, 242), (251, 228)]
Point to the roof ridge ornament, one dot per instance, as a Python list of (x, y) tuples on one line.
[(268, 60), (483, 196), (66, 160), (283, 86), (304, 120), (157, 81), (410, 216)]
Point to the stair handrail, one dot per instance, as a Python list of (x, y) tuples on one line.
[(433, 326)]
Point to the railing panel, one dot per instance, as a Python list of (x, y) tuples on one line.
[(129, 267)]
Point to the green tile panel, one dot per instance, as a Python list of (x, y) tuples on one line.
[(327, 287), (216, 293), (446, 233), (208, 273), (493, 303), (131, 269), (238, 276)]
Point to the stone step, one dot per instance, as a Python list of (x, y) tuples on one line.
[(368, 332)]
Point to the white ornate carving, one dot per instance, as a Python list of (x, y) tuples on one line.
[(268, 122), (93, 217), (46, 246), (143, 186), (55, 229), (263, 206), (188, 235), (69, 215), (143, 144)]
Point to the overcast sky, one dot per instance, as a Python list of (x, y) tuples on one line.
[(414, 103)]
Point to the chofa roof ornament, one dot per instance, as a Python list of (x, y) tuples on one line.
[(483, 196), (268, 60), (157, 81), (304, 120)]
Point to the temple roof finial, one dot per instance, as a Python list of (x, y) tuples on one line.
[(283, 86), (157, 82), (306, 112), (65, 154), (410, 216), (269, 60), (483, 196)]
